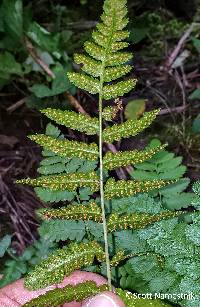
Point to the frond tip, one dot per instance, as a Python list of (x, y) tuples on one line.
[(62, 263), (62, 182), (73, 212), (69, 293), (123, 188), (104, 61)]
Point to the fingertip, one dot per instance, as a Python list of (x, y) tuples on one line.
[(104, 299)]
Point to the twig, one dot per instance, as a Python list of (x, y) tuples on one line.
[(74, 103), (172, 57), (174, 110), (37, 59), (16, 105)]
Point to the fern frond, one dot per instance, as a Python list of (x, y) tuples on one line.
[(73, 120), (119, 159), (73, 212), (66, 148), (104, 62), (69, 293), (129, 128), (62, 263), (62, 182), (138, 220), (123, 188)]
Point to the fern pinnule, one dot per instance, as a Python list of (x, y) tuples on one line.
[(129, 128), (66, 148), (73, 212), (62, 182), (62, 263), (138, 220), (73, 120), (124, 188), (125, 158), (67, 294)]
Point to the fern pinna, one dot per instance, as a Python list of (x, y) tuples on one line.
[(104, 62)]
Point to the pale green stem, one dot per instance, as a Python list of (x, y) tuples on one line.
[(103, 66), (108, 268)]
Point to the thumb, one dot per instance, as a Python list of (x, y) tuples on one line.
[(104, 299)]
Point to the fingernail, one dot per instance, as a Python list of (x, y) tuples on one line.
[(105, 299)]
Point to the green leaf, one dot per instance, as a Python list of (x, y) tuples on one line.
[(4, 244), (137, 220), (67, 294), (196, 43), (123, 188), (87, 212), (64, 181), (138, 34), (60, 85), (11, 273), (9, 66), (12, 12), (66, 148), (118, 89), (61, 230), (128, 240), (196, 125), (85, 82), (135, 108), (44, 39), (195, 94), (125, 158), (73, 120), (129, 128), (62, 263), (54, 196)]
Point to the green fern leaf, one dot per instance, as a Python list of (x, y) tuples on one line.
[(73, 120), (65, 148), (129, 128), (93, 67), (85, 82), (118, 89), (69, 293), (138, 220), (119, 159), (113, 59), (103, 62), (62, 263), (73, 212), (62, 230), (123, 188), (62, 182), (48, 195)]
